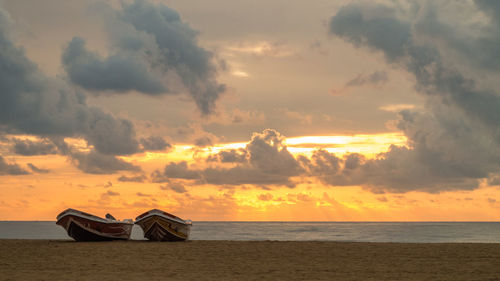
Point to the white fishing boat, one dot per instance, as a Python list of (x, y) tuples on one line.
[(162, 226), (82, 226)]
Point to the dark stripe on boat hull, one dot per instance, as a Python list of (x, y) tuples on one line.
[(82, 235)]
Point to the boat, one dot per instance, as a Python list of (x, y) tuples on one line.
[(162, 226), (82, 226)]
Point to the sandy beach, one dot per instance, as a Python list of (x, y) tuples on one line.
[(232, 260)]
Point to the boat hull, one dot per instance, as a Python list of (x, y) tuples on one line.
[(83, 228), (159, 227)]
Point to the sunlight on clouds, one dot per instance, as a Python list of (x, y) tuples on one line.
[(396, 107), (240, 73), (262, 48)]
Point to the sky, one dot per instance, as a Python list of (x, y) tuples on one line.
[(278, 110)]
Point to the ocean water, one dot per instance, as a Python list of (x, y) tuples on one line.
[(414, 232)]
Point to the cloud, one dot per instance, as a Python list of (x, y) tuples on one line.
[(151, 45), (262, 49), (28, 147), (140, 178), (174, 186), (155, 143), (98, 163), (453, 141), (175, 171), (11, 169), (140, 194), (267, 162), (108, 194), (204, 141), (35, 104), (229, 156), (265, 197), (376, 78), (35, 169), (396, 107), (120, 72)]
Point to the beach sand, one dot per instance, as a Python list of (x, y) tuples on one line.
[(233, 260)]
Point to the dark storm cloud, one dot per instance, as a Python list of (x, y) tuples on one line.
[(478, 43), (11, 169), (33, 103), (151, 42), (454, 142), (154, 143), (266, 161), (119, 72), (28, 147)]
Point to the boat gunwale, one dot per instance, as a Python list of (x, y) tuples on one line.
[(161, 214), (73, 212)]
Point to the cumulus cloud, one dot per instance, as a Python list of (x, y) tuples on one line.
[(266, 161), (229, 156), (151, 45), (11, 168), (118, 72), (453, 142), (175, 171), (32, 103)]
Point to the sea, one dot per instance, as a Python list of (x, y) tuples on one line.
[(407, 232)]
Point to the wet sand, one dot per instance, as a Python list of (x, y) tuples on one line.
[(232, 260)]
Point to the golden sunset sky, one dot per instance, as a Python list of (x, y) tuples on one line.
[(251, 111)]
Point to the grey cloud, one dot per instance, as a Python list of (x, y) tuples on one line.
[(28, 147), (174, 186), (478, 43), (267, 162), (454, 142), (175, 171), (118, 72), (34, 104), (108, 194), (372, 25), (154, 143), (229, 156), (140, 178), (98, 163), (155, 42), (35, 169), (203, 141), (377, 77), (11, 169)]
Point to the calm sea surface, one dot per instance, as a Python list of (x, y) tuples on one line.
[(477, 232)]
